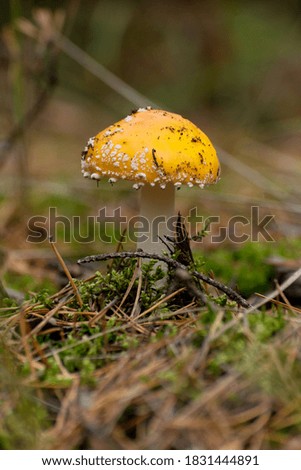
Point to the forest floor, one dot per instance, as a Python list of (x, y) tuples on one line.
[(114, 360)]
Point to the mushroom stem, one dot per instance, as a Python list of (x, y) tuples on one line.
[(157, 206)]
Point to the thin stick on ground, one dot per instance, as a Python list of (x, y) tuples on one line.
[(173, 264)]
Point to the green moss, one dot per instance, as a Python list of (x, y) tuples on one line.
[(246, 268), (27, 283), (22, 415)]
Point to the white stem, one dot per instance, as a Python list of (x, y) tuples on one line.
[(157, 206)]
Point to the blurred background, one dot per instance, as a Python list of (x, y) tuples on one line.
[(70, 68)]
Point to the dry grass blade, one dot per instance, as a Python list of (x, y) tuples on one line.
[(139, 328), (282, 294), (130, 286), (46, 319), (135, 310), (160, 302), (285, 305), (199, 361), (102, 313), (24, 337), (67, 272)]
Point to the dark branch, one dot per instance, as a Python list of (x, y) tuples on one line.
[(173, 264)]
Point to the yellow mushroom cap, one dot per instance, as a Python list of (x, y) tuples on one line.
[(152, 146)]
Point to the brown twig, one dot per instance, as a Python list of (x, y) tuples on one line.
[(173, 264)]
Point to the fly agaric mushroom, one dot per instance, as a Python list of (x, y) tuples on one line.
[(157, 150)]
